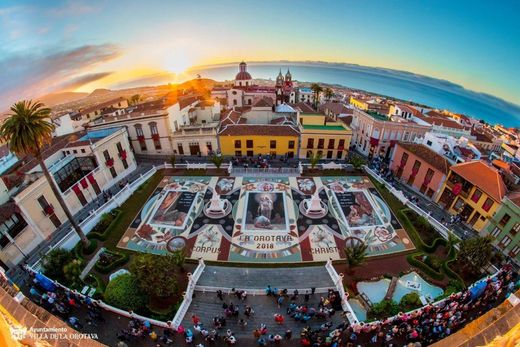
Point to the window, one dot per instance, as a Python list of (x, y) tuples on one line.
[(180, 148), (11, 226), (331, 144), (234, 102), (272, 144), (505, 242), (514, 251), (83, 150), (476, 195), (291, 144), (515, 229), (139, 130), (487, 204), (429, 143), (75, 151), (155, 135), (238, 153), (238, 144), (329, 154), (321, 143), (310, 143), (504, 220), (249, 143), (73, 171), (209, 146), (341, 145), (496, 231)]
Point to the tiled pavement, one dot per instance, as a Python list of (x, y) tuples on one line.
[(258, 278)]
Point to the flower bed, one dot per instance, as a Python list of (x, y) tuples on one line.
[(109, 261)]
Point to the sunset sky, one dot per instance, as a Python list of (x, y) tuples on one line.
[(50, 46)]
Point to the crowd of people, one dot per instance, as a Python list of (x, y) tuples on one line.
[(424, 326), (259, 161)]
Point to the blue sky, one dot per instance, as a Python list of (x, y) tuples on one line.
[(81, 45)]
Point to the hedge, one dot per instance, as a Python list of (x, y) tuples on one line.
[(423, 267), (102, 236), (105, 269), (80, 252), (123, 292)]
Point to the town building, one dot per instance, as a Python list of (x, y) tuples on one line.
[(419, 167), (442, 124), (473, 190), (321, 134), (82, 165), (185, 126), (455, 150), (375, 135), (504, 226), (95, 111), (259, 139)]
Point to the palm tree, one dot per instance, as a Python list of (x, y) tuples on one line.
[(27, 130), (317, 89), (355, 252), (217, 160), (329, 93), (357, 162), (315, 158)]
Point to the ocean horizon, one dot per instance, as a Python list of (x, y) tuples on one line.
[(403, 85)]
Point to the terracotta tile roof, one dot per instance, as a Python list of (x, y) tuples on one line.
[(264, 102), (515, 197), (485, 177), (57, 144), (259, 129), (409, 109), (187, 101), (303, 107), (431, 157), (499, 164), (336, 108), (442, 121), (346, 119), (230, 117), (100, 106)]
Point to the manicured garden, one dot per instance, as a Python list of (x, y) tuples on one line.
[(154, 283)]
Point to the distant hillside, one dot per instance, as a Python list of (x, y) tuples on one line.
[(61, 98), (99, 92)]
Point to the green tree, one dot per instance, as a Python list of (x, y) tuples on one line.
[(315, 158), (384, 309), (356, 253), (476, 252), (71, 272), (179, 257), (410, 301), (27, 130), (329, 93), (357, 162), (125, 293), (134, 99), (53, 263), (155, 274), (317, 89), (217, 160)]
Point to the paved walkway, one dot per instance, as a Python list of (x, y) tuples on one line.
[(207, 306), (259, 278)]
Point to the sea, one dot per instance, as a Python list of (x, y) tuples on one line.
[(403, 85)]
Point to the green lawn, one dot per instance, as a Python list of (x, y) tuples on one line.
[(129, 210)]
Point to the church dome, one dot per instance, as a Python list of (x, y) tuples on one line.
[(243, 74)]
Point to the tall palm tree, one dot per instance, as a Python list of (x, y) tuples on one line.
[(329, 93), (315, 158), (317, 89), (27, 131)]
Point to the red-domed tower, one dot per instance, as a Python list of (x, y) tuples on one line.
[(243, 78)]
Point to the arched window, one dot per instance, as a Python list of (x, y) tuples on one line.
[(155, 135)]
